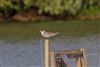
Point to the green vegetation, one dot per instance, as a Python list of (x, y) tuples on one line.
[(50, 7), (92, 7), (56, 7)]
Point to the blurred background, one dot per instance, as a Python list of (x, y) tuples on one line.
[(77, 21), (25, 10)]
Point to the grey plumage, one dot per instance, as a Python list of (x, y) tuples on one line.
[(48, 34)]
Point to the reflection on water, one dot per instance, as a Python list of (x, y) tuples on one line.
[(26, 31), (21, 45), (30, 53)]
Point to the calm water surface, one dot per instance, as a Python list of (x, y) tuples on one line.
[(22, 46)]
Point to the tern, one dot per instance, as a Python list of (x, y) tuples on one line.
[(48, 34)]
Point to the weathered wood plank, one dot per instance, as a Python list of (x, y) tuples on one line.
[(46, 52), (52, 59)]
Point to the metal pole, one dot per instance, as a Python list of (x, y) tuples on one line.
[(46, 53)]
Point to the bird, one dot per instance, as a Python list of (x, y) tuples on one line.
[(48, 34)]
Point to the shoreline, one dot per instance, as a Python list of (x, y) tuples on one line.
[(22, 18)]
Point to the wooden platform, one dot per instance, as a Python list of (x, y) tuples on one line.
[(79, 54)]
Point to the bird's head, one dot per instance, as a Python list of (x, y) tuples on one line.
[(42, 31)]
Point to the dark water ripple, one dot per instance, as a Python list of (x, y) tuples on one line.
[(30, 53)]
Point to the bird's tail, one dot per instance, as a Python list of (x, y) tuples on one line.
[(57, 33)]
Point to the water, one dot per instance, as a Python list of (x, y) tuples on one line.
[(22, 46)]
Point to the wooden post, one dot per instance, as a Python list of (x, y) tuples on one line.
[(46, 53), (52, 57), (78, 62), (84, 59)]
